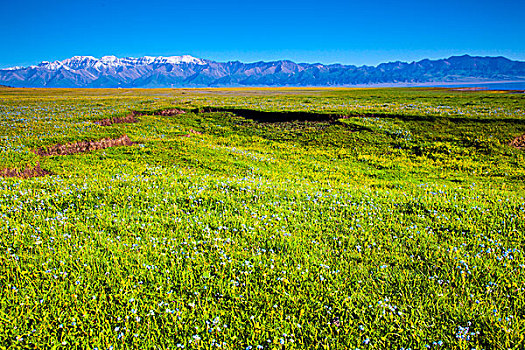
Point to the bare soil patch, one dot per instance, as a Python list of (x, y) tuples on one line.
[(28, 172), (468, 89), (130, 118), (164, 112), (519, 142), (192, 132), (83, 146), (170, 112)]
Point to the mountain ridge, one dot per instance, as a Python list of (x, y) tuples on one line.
[(189, 71)]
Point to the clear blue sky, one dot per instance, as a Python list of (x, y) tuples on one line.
[(328, 31)]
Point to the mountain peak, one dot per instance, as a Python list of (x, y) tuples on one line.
[(186, 70), (84, 62), (178, 59), (110, 58)]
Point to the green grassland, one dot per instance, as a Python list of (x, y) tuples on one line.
[(398, 221)]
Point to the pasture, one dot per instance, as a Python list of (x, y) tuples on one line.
[(262, 219)]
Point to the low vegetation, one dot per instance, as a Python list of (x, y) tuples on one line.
[(395, 222)]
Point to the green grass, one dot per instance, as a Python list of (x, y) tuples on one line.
[(398, 226)]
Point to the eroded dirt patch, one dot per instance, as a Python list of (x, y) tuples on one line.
[(83, 146), (163, 112), (170, 112), (518, 142), (192, 132), (130, 118), (28, 172), (475, 89)]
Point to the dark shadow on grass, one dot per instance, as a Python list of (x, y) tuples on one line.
[(274, 117), (288, 116)]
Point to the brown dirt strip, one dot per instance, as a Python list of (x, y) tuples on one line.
[(83, 146), (192, 132), (518, 142), (36, 171), (130, 118), (163, 112), (170, 112)]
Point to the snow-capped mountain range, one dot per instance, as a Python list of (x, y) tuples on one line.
[(188, 71), (107, 62)]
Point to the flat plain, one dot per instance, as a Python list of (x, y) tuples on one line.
[(262, 219)]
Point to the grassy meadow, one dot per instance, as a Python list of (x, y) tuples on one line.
[(390, 219)]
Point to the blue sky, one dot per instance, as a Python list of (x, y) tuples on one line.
[(329, 31)]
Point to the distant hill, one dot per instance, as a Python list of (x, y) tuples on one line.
[(188, 71)]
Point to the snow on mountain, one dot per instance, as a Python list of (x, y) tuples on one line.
[(109, 59), (83, 62), (165, 60), (179, 60)]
